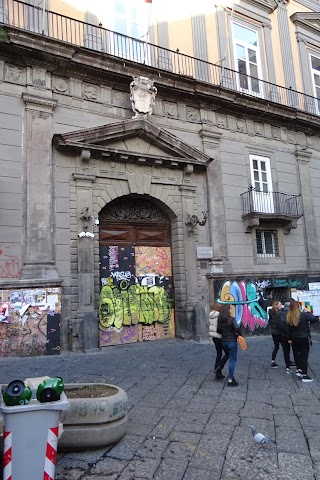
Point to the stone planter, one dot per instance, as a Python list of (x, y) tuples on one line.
[(93, 422)]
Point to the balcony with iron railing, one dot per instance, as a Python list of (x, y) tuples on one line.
[(271, 207), (21, 15)]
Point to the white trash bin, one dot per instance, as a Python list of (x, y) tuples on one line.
[(30, 439)]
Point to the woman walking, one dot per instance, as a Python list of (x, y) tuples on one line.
[(299, 336), (229, 331), (216, 338), (278, 336)]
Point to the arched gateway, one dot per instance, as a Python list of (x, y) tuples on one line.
[(136, 298)]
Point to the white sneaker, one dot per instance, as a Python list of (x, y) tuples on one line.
[(306, 378), (288, 370), (299, 373)]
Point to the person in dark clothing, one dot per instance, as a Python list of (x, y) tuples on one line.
[(300, 337), (278, 336), (229, 331), (216, 338)]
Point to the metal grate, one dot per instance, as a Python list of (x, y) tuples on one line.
[(267, 243), (280, 293)]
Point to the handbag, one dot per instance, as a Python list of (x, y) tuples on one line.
[(242, 343)]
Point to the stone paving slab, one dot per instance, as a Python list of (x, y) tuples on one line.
[(108, 467), (171, 469), (291, 440), (185, 425), (299, 466), (152, 448), (142, 468)]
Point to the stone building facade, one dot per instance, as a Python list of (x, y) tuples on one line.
[(124, 206)]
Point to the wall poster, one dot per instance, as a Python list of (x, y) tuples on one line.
[(30, 322), (308, 299)]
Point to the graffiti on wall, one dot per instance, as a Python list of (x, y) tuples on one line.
[(249, 298), (128, 305), (243, 298), (9, 264), (30, 322), (136, 298)]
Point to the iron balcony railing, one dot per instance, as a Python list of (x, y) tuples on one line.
[(27, 17), (271, 204)]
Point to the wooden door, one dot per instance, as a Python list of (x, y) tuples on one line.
[(136, 298)]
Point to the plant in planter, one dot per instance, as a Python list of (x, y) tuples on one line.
[(96, 417)]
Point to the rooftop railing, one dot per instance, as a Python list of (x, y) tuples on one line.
[(33, 19)]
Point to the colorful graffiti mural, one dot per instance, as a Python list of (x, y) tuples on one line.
[(30, 322), (249, 298), (133, 304), (243, 298), (136, 298)]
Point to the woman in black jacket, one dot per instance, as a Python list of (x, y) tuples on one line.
[(278, 336), (229, 330), (299, 336)]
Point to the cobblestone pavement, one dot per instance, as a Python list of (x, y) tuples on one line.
[(185, 425)]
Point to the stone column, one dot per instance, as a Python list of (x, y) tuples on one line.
[(190, 262), (285, 45), (308, 219), (309, 102), (39, 258), (86, 308), (269, 53), (217, 220)]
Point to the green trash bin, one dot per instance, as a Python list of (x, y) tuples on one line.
[(30, 439)]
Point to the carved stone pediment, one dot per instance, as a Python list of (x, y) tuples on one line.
[(307, 20), (133, 141)]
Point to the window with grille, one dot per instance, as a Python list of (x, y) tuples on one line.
[(267, 243)]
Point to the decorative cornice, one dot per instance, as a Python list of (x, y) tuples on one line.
[(303, 155), (267, 6), (283, 3), (83, 177), (30, 282), (39, 103), (309, 21), (187, 188), (210, 136)]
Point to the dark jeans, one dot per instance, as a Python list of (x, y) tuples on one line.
[(280, 340), (232, 350), (220, 361), (300, 347)]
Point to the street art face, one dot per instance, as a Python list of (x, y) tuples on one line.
[(243, 299), (136, 297)]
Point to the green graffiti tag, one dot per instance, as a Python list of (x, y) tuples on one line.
[(137, 303)]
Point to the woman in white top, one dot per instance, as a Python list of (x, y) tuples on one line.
[(216, 338)]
